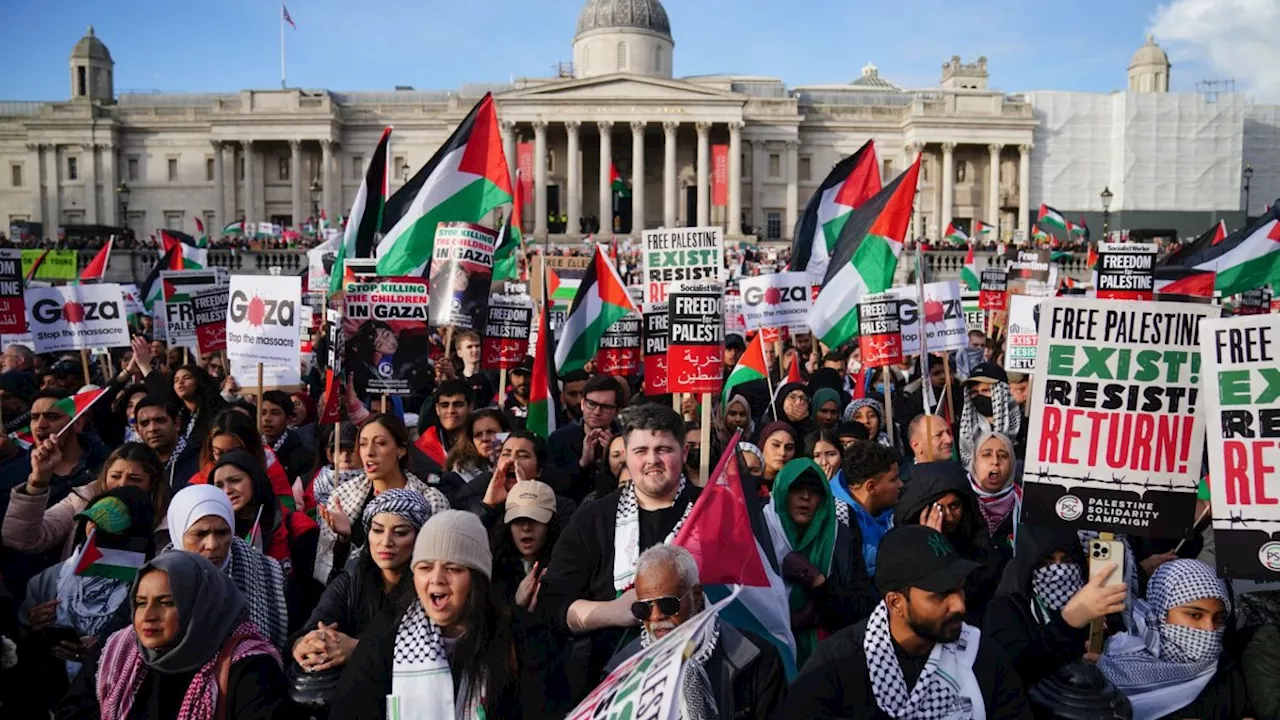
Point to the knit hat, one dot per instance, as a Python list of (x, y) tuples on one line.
[(455, 536)]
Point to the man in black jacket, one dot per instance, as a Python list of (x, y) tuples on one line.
[(746, 674), (277, 411), (915, 656), (577, 449)]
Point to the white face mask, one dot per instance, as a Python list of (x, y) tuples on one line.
[(855, 366)]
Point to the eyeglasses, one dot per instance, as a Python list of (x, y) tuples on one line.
[(594, 406), (668, 605)]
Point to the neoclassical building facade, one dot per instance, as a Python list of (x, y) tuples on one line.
[(282, 155)]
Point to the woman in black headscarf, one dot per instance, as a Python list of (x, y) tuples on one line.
[(190, 647), (793, 405)]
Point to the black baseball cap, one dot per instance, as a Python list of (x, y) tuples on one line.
[(920, 557), (987, 372), (524, 368)]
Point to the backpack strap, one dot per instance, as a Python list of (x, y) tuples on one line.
[(222, 671)]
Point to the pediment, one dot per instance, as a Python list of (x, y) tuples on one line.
[(621, 87)]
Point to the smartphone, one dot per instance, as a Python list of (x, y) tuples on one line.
[(1102, 552), (54, 634)]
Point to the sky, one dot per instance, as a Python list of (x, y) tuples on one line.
[(229, 45)]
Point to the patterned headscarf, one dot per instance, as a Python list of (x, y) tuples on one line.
[(410, 505), (852, 409), (1006, 419)]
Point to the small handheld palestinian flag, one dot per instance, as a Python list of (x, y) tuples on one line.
[(77, 405), (750, 367), (113, 557), (969, 273), (254, 537), (955, 235), (23, 438), (1051, 218), (981, 230)]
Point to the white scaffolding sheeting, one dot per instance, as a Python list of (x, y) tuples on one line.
[(1262, 152), (1071, 161)]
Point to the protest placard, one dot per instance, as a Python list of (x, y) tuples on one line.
[(619, 353), (506, 332), (1126, 271), (941, 315), (656, 325), (461, 272), (1029, 272), (54, 264), (75, 317), (775, 300), (24, 339), (13, 308), (132, 299), (879, 331), (1023, 334), (387, 340), (1117, 425), (994, 290), (695, 337), (680, 254), (1255, 302), (320, 263), (262, 320), (975, 318), (210, 305), (1241, 388), (178, 286), (734, 320)]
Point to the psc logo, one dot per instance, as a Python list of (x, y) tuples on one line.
[(259, 312), (50, 311), (775, 295)]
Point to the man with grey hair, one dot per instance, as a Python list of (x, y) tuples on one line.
[(744, 672), (587, 591), (18, 358)]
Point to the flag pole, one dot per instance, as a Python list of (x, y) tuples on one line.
[(283, 85)]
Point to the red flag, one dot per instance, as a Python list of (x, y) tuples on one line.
[(331, 409), (97, 267), (793, 372), (429, 443), (718, 530)]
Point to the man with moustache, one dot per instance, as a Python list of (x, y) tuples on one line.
[(588, 590), (915, 657)]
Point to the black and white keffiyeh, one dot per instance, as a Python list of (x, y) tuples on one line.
[(262, 580), (275, 446), (626, 534), (1055, 585), (842, 512), (181, 445), (1006, 419), (421, 681), (946, 688), (326, 480), (697, 695), (406, 503)]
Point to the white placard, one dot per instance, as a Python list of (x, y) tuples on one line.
[(75, 317), (262, 320), (1023, 334), (777, 300), (678, 255), (23, 339), (942, 313)]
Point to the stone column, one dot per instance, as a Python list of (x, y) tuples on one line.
[(90, 162), (540, 179), (1024, 188), (669, 173), (326, 180), (917, 225), (948, 186), (220, 190), (573, 177), (508, 130), (637, 176), (110, 200), (606, 191), (35, 181), (993, 190), (735, 178), (52, 175), (704, 173), (759, 160), (250, 191), (299, 210), (793, 188)]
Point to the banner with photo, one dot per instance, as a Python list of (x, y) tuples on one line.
[(461, 272), (387, 338)]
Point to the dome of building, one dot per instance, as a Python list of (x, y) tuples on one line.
[(90, 48), (1149, 54), (624, 14)]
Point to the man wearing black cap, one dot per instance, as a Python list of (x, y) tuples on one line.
[(915, 657), (989, 407), (517, 403)]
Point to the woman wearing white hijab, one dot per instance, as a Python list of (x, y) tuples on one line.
[(202, 521)]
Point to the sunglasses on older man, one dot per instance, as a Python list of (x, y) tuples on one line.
[(668, 605)]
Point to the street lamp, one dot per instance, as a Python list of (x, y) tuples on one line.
[(1248, 175), (1106, 211), (316, 189), (404, 172), (123, 192)]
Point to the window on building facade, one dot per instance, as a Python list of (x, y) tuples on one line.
[(137, 220), (773, 224), (73, 168), (15, 175), (208, 223), (208, 169), (171, 167), (396, 163), (622, 56), (806, 168), (962, 171), (357, 166), (551, 162), (131, 169), (775, 165), (924, 170), (282, 165), (886, 171), (173, 219)]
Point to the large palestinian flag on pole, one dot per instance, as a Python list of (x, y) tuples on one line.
[(955, 234), (852, 182), (1209, 238), (465, 180), (1247, 259), (865, 258), (1051, 218), (189, 256), (506, 256), (751, 366), (969, 274), (602, 299), (543, 385), (616, 183), (366, 213)]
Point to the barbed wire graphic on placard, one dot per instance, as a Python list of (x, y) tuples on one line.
[(1116, 482), (1233, 519)]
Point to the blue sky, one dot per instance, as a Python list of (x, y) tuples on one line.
[(227, 45)]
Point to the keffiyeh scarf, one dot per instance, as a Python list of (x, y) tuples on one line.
[(1055, 585), (626, 534), (181, 445), (996, 507), (85, 602), (275, 446), (1162, 667), (421, 681), (946, 689), (262, 580), (697, 694), (1006, 418), (326, 480)]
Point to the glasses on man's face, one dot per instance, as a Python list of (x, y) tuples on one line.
[(594, 406), (668, 605)]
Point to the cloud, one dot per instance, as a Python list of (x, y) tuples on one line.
[(1234, 38)]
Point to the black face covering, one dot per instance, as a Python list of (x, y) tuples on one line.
[(982, 404), (692, 457)]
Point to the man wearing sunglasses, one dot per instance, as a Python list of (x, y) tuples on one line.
[(745, 673)]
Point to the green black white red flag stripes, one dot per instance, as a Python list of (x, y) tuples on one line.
[(1247, 259), (465, 180), (616, 183), (1051, 218), (601, 300), (955, 234), (506, 256), (543, 384), (366, 213), (865, 258), (852, 182), (969, 274), (751, 366), (117, 558)]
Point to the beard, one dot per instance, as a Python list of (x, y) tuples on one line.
[(945, 630)]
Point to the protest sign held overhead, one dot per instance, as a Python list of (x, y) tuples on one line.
[(13, 308), (656, 324), (75, 317), (1255, 302), (210, 306), (1126, 271), (262, 320), (734, 320), (620, 352), (178, 312), (1023, 333), (975, 318), (680, 254), (879, 331), (387, 339), (1030, 272), (941, 316), (506, 332), (1241, 390), (776, 300), (695, 340), (1117, 424), (994, 291), (461, 272)]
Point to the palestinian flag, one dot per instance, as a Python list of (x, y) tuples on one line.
[(506, 256), (543, 385), (331, 400), (323, 223), (562, 289), (97, 267), (1207, 239), (750, 367), (233, 228), (1039, 236), (23, 438), (982, 230), (865, 258), (1081, 231), (852, 182), (1091, 260), (189, 256), (366, 213), (1051, 218), (432, 445), (464, 182), (1219, 232), (1247, 259), (78, 404), (602, 299), (969, 274), (955, 235), (616, 184), (203, 240), (113, 557), (152, 290), (35, 265), (1183, 283)]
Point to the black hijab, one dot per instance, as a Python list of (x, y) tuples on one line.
[(264, 495), (932, 480)]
